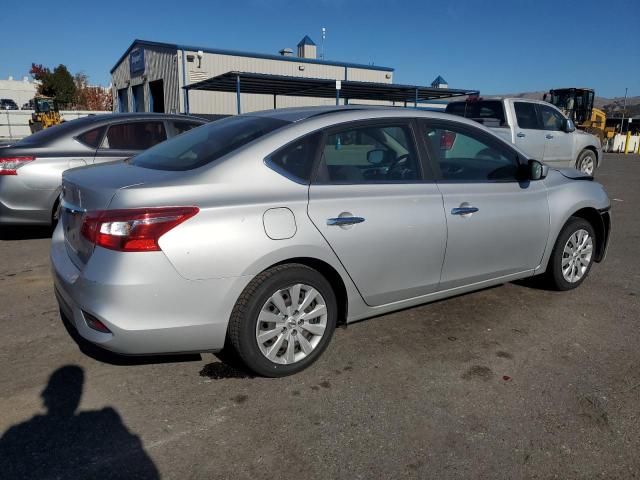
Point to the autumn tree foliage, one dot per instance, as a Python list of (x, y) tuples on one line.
[(70, 91)]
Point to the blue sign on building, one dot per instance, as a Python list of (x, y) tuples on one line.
[(136, 61)]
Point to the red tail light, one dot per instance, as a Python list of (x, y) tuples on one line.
[(446, 140), (133, 230), (10, 165)]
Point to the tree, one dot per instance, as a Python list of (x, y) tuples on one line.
[(58, 84), (91, 97)]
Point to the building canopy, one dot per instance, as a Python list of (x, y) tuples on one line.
[(261, 83)]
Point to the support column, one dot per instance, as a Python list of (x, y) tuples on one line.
[(238, 94)]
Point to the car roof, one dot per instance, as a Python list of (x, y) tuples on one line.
[(75, 127)]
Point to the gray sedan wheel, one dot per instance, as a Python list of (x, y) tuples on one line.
[(283, 320), (572, 256), (586, 162)]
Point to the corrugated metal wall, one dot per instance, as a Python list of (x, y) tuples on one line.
[(167, 64), (160, 63)]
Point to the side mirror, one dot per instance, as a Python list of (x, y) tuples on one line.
[(375, 157), (537, 170), (568, 126)]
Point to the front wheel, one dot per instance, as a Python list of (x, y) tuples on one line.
[(572, 256), (586, 162), (283, 320)]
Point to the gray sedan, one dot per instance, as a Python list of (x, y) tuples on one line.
[(31, 169), (263, 231)]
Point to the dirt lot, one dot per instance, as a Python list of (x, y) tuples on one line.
[(509, 382)]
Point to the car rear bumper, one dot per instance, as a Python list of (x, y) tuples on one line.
[(147, 306)]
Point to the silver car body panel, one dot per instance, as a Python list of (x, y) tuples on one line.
[(409, 250), (29, 197)]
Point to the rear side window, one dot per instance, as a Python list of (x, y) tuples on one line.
[(488, 112), (92, 137), (369, 154), (296, 159), (134, 135), (202, 146), (181, 127), (526, 115)]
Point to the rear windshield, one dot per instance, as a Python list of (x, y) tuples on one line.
[(206, 144), (487, 112)]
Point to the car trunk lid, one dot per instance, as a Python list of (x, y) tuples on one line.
[(89, 189)]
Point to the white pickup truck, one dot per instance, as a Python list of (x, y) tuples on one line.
[(538, 128)]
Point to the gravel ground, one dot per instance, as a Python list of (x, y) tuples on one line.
[(509, 382)]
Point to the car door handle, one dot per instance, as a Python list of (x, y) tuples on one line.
[(344, 220), (463, 210), (549, 136), (520, 135)]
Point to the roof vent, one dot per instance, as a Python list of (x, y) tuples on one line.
[(286, 52)]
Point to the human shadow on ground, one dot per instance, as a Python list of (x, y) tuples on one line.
[(65, 443), (11, 232)]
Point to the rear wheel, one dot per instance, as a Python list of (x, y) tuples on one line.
[(572, 256), (283, 320), (586, 162)]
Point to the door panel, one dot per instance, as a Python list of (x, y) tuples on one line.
[(396, 253), (559, 144), (529, 136), (496, 225), (507, 234)]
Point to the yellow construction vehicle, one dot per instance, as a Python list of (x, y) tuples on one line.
[(45, 114), (577, 104)]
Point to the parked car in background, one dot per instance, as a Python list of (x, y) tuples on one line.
[(31, 169), (538, 128), (28, 105), (266, 229), (8, 104)]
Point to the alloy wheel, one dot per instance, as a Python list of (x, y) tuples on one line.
[(576, 256), (291, 324), (587, 165)]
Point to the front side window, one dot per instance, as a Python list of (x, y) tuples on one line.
[(526, 115), (134, 135), (551, 118), (369, 154), (202, 146), (465, 156)]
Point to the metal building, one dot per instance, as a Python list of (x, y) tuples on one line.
[(150, 76)]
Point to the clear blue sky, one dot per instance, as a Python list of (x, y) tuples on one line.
[(495, 46)]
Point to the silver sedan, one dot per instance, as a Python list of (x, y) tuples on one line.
[(263, 231)]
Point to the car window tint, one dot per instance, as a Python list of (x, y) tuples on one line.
[(526, 115), (551, 118), (205, 145), (181, 127), (92, 137), (466, 157), (135, 135), (296, 159), (369, 154), (487, 112)]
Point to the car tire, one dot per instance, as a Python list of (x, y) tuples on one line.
[(572, 256), (282, 353), (587, 162)]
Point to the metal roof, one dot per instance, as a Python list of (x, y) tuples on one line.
[(236, 53), (306, 40), (262, 83)]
